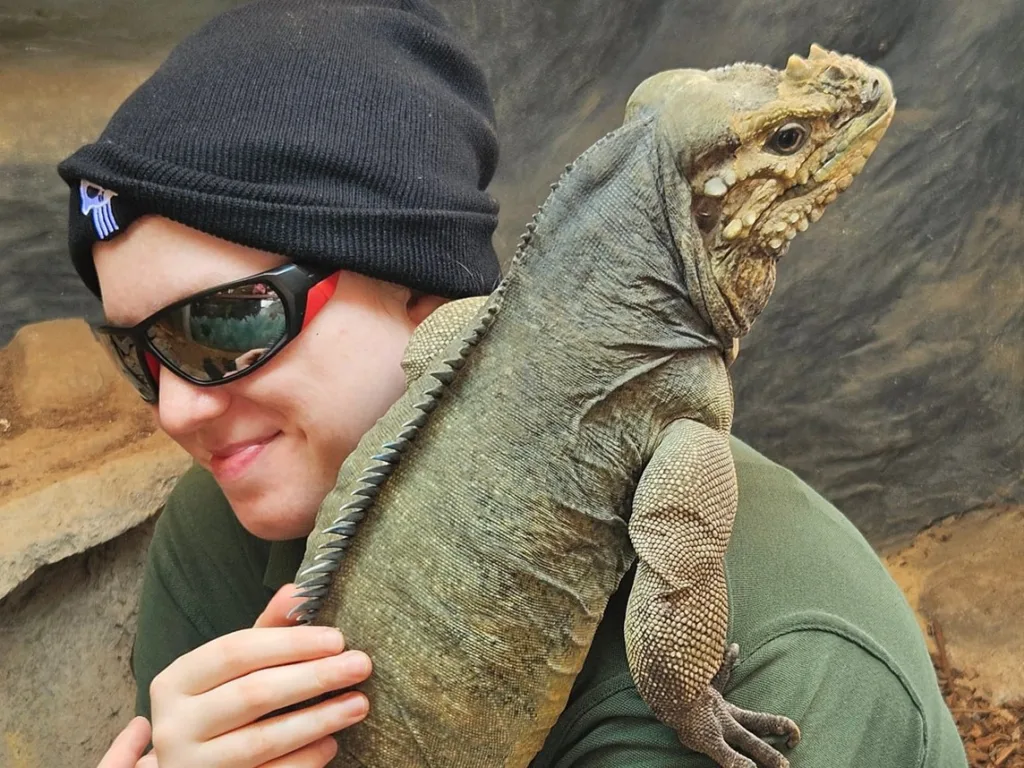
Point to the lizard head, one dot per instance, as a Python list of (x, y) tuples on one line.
[(763, 152)]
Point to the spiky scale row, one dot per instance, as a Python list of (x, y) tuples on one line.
[(314, 582)]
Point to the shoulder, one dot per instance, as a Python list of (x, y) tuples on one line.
[(852, 710), (825, 638), (203, 578)]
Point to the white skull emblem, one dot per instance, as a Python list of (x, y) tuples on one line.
[(95, 203)]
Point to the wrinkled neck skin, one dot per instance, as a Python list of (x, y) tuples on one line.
[(610, 266), (728, 290)]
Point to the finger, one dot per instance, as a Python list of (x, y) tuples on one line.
[(721, 679), (763, 723), (315, 755), (726, 756), (764, 754), (148, 761), (231, 656), (129, 745), (242, 701), (274, 737), (276, 612)]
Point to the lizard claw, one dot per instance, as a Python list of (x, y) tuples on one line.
[(721, 679), (720, 730)]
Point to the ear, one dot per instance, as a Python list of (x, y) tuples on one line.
[(420, 305)]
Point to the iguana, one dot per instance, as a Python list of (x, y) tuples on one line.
[(578, 422)]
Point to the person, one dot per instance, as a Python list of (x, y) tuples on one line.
[(332, 159)]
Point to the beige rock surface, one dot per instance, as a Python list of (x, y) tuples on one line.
[(965, 575), (81, 460), (53, 106)]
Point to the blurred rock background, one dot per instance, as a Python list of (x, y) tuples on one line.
[(888, 371)]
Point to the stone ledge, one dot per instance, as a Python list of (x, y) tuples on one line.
[(964, 574), (81, 459), (80, 512)]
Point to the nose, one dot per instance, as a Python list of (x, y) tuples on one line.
[(872, 94), (183, 407)]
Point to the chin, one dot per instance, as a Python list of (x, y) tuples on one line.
[(275, 514)]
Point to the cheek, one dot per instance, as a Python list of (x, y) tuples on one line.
[(339, 377)]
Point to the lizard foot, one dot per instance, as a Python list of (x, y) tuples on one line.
[(720, 730)]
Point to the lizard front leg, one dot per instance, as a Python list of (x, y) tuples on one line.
[(678, 611)]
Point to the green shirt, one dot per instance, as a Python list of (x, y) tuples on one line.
[(825, 635)]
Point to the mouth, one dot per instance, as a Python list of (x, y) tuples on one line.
[(229, 462), (864, 140)]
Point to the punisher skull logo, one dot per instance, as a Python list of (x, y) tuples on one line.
[(96, 205)]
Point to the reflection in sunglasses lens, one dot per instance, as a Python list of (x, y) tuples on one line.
[(216, 336)]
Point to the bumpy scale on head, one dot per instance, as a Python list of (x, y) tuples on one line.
[(794, 154)]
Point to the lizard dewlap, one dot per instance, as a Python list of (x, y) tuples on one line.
[(579, 422)]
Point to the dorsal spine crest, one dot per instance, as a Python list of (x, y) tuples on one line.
[(313, 583)]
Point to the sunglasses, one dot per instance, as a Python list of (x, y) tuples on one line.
[(220, 334)]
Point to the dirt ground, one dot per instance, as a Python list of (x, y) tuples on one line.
[(991, 734), (964, 577), (47, 434)]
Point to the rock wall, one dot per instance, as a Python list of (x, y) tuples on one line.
[(66, 688), (83, 473), (889, 368)]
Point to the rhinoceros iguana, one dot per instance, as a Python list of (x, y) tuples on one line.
[(576, 419)]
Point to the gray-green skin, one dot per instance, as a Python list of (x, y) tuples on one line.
[(577, 421)]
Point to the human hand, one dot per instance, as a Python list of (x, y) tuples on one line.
[(126, 750), (208, 704)]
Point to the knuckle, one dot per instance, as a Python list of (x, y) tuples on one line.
[(161, 687), (260, 746), (164, 736), (229, 647), (324, 675), (255, 695)]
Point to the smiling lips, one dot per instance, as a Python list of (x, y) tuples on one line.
[(229, 462)]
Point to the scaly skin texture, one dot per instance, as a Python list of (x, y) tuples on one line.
[(579, 420)]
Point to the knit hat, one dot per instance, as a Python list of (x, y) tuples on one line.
[(350, 134)]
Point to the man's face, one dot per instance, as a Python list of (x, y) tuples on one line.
[(274, 440)]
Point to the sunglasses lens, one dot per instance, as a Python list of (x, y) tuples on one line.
[(126, 354), (219, 335)]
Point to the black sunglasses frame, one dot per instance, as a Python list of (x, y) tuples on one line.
[(291, 282)]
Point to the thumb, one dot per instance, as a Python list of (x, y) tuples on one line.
[(128, 746), (276, 612)]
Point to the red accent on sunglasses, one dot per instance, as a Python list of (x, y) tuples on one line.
[(153, 364), (318, 296)]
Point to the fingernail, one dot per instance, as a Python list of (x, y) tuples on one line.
[(332, 638), (355, 706), (358, 664)]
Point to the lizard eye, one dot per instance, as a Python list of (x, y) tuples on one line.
[(788, 139)]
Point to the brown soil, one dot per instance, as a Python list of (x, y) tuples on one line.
[(60, 442), (993, 736), (963, 578)]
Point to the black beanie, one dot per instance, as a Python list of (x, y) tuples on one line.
[(349, 134)]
